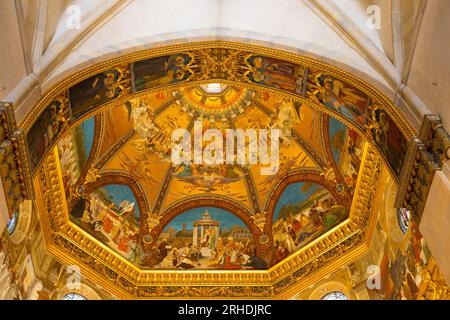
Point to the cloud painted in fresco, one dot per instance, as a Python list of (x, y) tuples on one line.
[(338, 132), (226, 219), (88, 133)]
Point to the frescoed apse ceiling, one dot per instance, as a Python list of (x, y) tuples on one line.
[(112, 200), (121, 185)]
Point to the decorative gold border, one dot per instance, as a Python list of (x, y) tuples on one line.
[(374, 94), (315, 65), (283, 95)]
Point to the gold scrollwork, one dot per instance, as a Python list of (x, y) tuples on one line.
[(425, 155), (14, 171)]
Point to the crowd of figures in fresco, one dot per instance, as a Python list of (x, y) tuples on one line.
[(304, 212), (112, 216), (403, 267), (206, 238), (231, 255), (399, 263)]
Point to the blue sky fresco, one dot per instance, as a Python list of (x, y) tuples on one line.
[(336, 127), (88, 128), (118, 193), (226, 219), (84, 136), (293, 195)]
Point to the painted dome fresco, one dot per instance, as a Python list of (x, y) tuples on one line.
[(211, 163), (122, 188)]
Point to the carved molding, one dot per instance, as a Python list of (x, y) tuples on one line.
[(426, 154), (14, 168), (436, 139), (433, 286)]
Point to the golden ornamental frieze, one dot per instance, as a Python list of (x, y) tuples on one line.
[(368, 182), (426, 154), (433, 285), (15, 175), (205, 49), (322, 86)]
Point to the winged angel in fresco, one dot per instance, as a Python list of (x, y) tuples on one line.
[(152, 137), (287, 114), (284, 119), (336, 95), (379, 124)]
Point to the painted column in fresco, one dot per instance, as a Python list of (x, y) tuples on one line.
[(195, 236)]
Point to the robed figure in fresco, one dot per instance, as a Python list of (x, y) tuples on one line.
[(276, 73), (341, 97), (161, 71), (97, 90)]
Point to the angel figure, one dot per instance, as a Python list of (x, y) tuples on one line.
[(59, 115), (116, 84), (284, 120), (141, 167), (379, 125)]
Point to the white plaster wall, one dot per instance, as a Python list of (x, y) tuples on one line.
[(430, 80), (430, 70), (435, 224), (12, 63), (357, 10), (86, 7), (290, 24)]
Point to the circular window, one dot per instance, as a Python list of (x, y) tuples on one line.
[(74, 296), (335, 295), (403, 217), (12, 223)]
